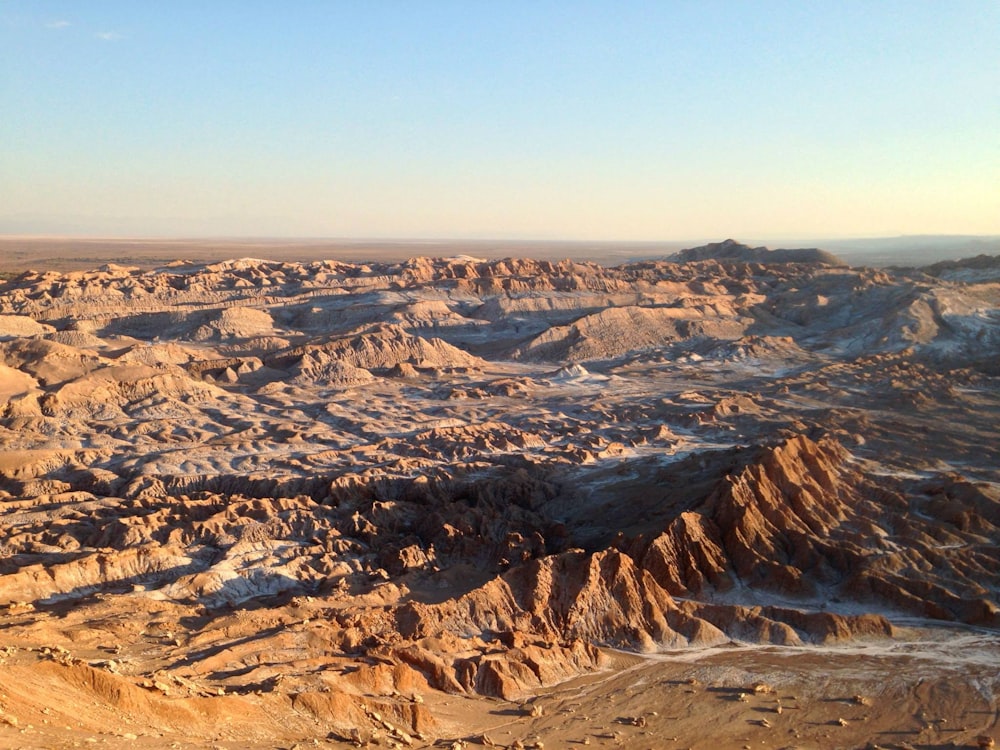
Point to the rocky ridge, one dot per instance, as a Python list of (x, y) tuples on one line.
[(471, 476)]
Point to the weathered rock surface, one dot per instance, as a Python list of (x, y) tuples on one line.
[(330, 487)]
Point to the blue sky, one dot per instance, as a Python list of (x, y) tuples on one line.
[(569, 120)]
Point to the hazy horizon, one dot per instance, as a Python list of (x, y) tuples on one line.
[(589, 122), (19, 253)]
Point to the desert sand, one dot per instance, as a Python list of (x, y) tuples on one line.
[(730, 498)]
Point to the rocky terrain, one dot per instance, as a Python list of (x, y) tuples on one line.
[(738, 497)]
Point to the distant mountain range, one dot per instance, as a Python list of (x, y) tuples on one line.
[(737, 251), (20, 251), (912, 250)]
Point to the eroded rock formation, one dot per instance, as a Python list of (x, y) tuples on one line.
[(345, 485)]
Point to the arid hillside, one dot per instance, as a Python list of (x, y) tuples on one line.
[(737, 498)]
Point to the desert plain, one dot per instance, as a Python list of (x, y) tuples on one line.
[(725, 498)]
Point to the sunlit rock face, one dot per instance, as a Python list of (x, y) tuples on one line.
[(348, 492)]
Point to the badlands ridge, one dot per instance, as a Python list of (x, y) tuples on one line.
[(732, 498)]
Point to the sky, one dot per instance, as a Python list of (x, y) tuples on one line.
[(577, 120)]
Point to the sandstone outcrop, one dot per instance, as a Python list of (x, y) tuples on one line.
[(327, 489)]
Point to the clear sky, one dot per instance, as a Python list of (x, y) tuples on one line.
[(507, 119)]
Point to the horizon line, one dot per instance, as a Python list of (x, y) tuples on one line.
[(165, 239)]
